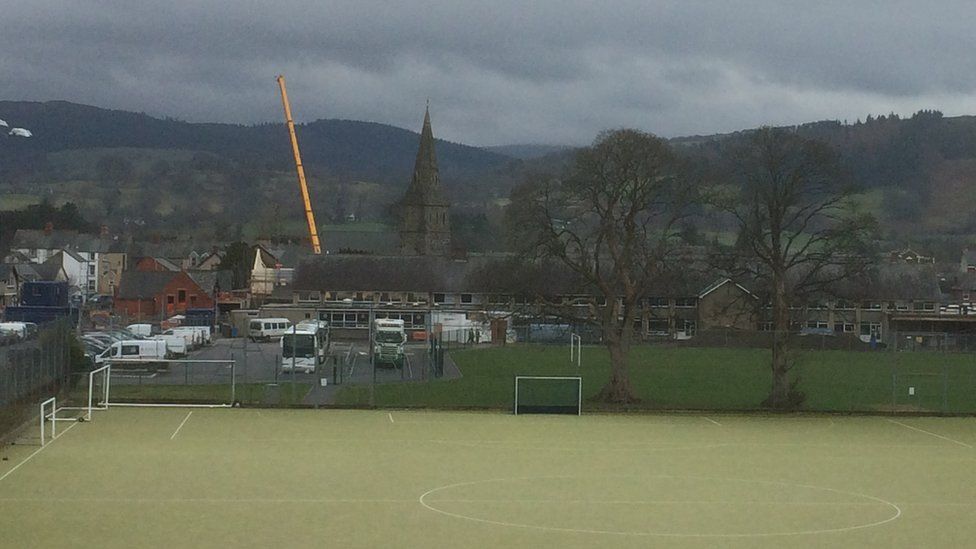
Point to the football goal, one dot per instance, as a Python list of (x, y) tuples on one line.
[(49, 419), (548, 395), (168, 383)]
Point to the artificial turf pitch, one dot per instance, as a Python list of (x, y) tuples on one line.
[(342, 478)]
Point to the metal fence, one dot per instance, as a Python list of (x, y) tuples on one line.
[(31, 370)]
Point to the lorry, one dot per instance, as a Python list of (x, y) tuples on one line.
[(389, 338)]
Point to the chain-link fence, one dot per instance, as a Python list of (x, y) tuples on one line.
[(33, 366)]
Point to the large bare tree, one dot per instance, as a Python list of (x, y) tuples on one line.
[(799, 232), (612, 222)]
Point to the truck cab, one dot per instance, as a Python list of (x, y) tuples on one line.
[(389, 337)]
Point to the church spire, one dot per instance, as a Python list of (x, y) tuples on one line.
[(426, 184), (425, 227)]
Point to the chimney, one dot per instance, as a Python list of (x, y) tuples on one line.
[(103, 231), (48, 228)]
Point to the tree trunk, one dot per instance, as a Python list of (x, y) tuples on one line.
[(779, 395), (618, 389)]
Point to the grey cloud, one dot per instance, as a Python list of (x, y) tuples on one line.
[(497, 72)]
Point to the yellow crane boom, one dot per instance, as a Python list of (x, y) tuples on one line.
[(309, 215)]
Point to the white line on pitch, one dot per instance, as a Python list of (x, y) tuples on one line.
[(936, 435), (177, 431), (390, 415), (38, 451), (710, 420)]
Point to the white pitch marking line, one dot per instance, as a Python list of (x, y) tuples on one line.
[(390, 415), (177, 431), (936, 435), (710, 420), (34, 453)]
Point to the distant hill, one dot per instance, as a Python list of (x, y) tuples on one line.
[(527, 152), (345, 149)]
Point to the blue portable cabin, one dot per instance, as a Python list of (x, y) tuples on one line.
[(43, 293), (199, 317)]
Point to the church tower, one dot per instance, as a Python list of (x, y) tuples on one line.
[(426, 225)]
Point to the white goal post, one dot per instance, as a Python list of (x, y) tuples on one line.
[(52, 404), (548, 395), (99, 400)]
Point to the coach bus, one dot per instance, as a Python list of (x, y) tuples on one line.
[(305, 346)]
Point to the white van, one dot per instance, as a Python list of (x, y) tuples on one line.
[(144, 330), (193, 338), (176, 346), (206, 337), (149, 351), (264, 329), (18, 329)]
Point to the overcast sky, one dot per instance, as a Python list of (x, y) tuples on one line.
[(497, 71)]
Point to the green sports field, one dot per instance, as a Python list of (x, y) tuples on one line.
[(343, 478)]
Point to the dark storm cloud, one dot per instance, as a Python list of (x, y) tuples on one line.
[(501, 71)]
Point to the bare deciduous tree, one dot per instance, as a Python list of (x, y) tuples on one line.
[(612, 222), (798, 232)]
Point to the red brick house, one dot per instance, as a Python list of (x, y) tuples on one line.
[(155, 264), (155, 294)]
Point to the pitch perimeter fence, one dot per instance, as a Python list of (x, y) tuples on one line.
[(721, 371), (32, 370)]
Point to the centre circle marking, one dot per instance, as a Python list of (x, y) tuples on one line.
[(896, 511)]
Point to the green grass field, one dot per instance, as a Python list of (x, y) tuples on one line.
[(705, 379), (343, 478)]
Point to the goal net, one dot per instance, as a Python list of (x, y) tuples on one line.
[(202, 383), (548, 395)]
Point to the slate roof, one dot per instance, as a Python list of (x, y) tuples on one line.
[(30, 239), (143, 284), (384, 273), (206, 279)]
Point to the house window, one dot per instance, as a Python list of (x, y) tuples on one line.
[(466, 298), (657, 327), (170, 299), (385, 297), (766, 326), (439, 298), (685, 302), (182, 295), (91, 285), (871, 305), (359, 296), (91, 269)]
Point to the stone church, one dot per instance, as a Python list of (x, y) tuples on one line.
[(425, 227)]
